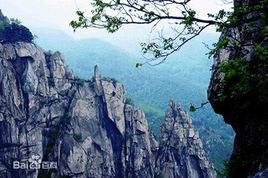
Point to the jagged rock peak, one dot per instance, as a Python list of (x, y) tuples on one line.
[(181, 153), (96, 73), (85, 127)]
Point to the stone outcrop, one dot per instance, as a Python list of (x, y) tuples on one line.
[(84, 127), (245, 110), (181, 152)]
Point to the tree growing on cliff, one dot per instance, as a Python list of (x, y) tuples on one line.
[(12, 31)]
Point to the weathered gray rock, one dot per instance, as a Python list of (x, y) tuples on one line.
[(29, 104), (261, 174), (138, 155), (244, 105), (181, 153), (83, 125)]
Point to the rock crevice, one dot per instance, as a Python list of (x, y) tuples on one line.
[(85, 126)]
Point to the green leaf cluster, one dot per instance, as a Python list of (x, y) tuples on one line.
[(222, 43), (138, 65), (225, 171), (245, 78), (236, 78), (189, 16), (192, 108), (81, 22), (129, 101), (113, 24)]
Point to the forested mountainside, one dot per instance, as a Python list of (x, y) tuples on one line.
[(85, 128), (184, 78)]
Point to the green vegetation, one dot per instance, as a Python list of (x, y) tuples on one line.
[(155, 116), (222, 43), (12, 31), (236, 79), (184, 80), (80, 81), (129, 101), (225, 171), (192, 108), (246, 78), (242, 78), (186, 26), (150, 109), (114, 80)]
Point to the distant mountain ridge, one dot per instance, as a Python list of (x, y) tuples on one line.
[(53, 124), (183, 78)]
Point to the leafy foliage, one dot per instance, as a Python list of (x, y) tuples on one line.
[(129, 101), (222, 43), (192, 108), (236, 79), (155, 116), (15, 32), (245, 79), (242, 78), (225, 171), (183, 80), (234, 19), (12, 31), (184, 23)]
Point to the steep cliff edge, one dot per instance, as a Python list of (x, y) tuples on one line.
[(55, 125), (239, 85)]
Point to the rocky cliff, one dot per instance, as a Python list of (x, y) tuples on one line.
[(53, 124), (239, 85), (181, 152)]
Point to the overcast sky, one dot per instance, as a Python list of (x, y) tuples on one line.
[(58, 13)]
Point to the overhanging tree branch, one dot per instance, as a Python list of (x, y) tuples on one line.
[(113, 14)]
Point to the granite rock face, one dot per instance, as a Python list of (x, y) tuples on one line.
[(181, 152), (246, 111), (84, 127)]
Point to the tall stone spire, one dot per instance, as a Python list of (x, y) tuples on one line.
[(97, 79), (96, 73)]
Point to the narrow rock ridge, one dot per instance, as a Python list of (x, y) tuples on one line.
[(84, 126)]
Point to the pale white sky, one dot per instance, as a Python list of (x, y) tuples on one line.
[(58, 13)]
